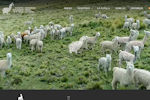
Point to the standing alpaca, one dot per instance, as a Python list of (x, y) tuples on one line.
[(136, 25), (7, 10), (124, 55), (105, 63), (5, 64), (97, 15), (8, 41), (111, 45), (139, 43), (30, 22), (142, 76), (133, 36), (39, 45), (123, 76), (18, 43), (71, 19)]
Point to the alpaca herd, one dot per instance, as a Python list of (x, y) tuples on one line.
[(123, 46), (127, 76)]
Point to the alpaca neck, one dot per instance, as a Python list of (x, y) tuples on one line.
[(9, 62), (129, 73), (10, 7)]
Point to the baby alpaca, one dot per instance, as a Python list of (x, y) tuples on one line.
[(105, 63), (39, 46)]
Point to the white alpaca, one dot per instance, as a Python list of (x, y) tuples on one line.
[(90, 40), (76, 46), (126, 25), (136, 25), (9, 40), (62, 33), (98, 15), (130, 20), (146, 22), (139, 43), (70, 29), (39, 45), (111, 45), (133, 36), (104, 16), (7, 10), (5, 64), (123, 76), (33, 43), (105, 63), (142, 76), (18, 43), (126, 56), (71, 19)]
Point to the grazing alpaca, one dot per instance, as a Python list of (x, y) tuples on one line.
[(7, 10)]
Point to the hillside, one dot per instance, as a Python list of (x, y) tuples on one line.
[(55, 68)]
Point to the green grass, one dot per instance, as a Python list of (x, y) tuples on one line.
[(55, 68)]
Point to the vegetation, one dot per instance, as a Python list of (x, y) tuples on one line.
[(55, 68)]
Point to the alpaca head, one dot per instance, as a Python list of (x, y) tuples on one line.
[(41, 26), (136, 48), (12, 4), (72, 25), (98, 34), (51, 23), (108, 56), (115, 40), (130, 67), (9, 59)]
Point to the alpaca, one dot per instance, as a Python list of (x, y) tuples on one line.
[(123, 76), (139, 43), (5, 64), (7, 10)]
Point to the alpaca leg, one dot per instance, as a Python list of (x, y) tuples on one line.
[(114, 84)]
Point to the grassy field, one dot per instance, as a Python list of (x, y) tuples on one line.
[(55, 68)]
